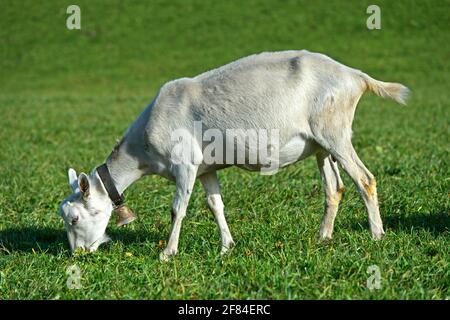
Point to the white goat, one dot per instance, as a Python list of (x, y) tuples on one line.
[(307, 97)]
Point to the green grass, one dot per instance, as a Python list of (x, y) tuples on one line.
[(65, 96)]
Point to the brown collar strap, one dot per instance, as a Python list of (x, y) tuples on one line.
[(117, 199)]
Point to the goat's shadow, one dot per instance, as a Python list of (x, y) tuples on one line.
[(436, 223), (54, 241)]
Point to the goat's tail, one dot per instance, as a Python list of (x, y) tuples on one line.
[(395, 91)]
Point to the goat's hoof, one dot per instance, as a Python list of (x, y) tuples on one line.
[(165, 255), (227, 248), (324, 237), (378, 235)]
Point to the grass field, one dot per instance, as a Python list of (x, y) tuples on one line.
[(67, 95)]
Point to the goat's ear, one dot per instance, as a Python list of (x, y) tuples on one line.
[(72, 179), (83, 184)]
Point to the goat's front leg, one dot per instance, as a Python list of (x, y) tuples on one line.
[(185, 175), (212, 189)]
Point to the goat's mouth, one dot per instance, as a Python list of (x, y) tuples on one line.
[(84, 249), (80, 251), (90, 247)]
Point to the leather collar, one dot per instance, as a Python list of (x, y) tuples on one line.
[(117, 199)]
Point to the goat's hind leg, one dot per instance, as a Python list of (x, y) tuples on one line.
[(346, 155), (333, 188)]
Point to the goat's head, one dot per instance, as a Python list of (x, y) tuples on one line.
[(86, 212)]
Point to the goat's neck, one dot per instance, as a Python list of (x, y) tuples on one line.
[(124, 169)]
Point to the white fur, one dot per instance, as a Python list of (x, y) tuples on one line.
[(86, 212), (308, 97)]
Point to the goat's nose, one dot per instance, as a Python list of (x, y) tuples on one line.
[(75, 220)]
